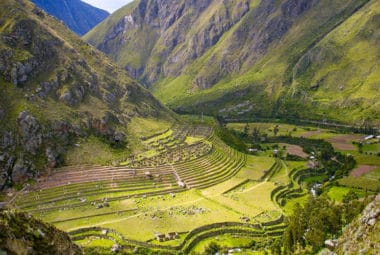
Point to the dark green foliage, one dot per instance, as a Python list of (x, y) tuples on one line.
[(275, 130), (351, 206), (232, 138), (246, 130), (317, 221), (292, 157), (276, 247), (212, 248), (256, 135)]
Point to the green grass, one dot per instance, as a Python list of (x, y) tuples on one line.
[(199, 119), (374, 174), (363, 159), (251, 200), (226, 240), (337, 193), (91, 242), (92, 150), (192, 140), (170, 216), (374, 147), (289, 206), (147, 126), (361, 183), (255, 167)]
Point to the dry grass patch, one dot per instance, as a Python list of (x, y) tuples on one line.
[(344, 142), (362, 169), (294, 149)]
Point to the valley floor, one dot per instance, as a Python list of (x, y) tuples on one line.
[(191, 189)]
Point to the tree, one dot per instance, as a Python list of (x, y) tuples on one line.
[(246, 130), (275, 130), (256, 134), (212, 248), (276, 247), (360, 146), (349, 197)]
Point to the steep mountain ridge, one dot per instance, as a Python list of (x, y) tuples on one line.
[(22, 234), (56, 89), (79, 16), (251, 58)]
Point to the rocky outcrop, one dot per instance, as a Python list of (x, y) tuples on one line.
[(30, 132), (170, 40), (181, 32), (362, 235), (55, 89), (21, 234), (33, 140)]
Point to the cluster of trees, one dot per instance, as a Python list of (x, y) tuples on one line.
[(319, 220), (232, 138), (332, 163)]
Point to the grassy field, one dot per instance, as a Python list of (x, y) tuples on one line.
[(255, 167), (92, 150), (289, 206), (226, 240), (251, 199), (337, 193)]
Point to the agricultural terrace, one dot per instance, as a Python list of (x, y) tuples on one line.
[(187, 188)]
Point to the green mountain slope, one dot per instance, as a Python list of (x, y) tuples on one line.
[(58, 93), (22, 234), (295, 59)]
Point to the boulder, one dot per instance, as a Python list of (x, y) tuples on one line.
[(67, 98), (30, 131), (20, 170)]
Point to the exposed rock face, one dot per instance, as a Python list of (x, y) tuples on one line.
[(22, 234), (30, 131), (362, 236), (172, 42), (182, 31), (55, 89)]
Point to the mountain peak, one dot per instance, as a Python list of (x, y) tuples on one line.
[(79, 16)]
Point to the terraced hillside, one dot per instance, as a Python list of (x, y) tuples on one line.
[(158, 194), (59, 95), (289, 59)]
